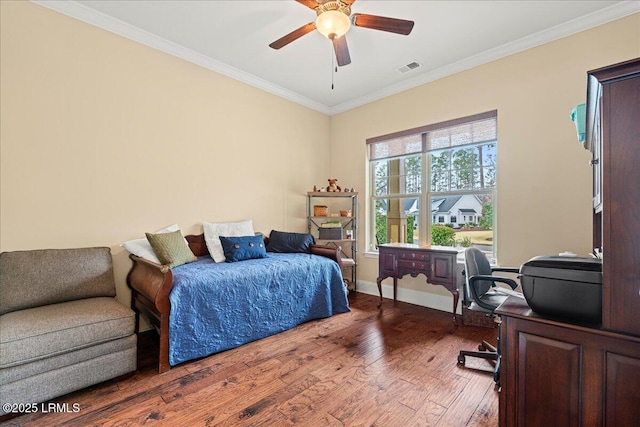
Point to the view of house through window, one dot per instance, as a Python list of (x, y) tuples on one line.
[(436, 184)]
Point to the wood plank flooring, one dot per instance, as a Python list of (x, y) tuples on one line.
[(394, 366)]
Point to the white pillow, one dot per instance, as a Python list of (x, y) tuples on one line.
[(142, 248), (213, 231)]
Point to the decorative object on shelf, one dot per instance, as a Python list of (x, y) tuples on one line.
[(333, 187), (331, 224), (330, 230), (578, 116), (337, 227), (320, 210), (330, 233)]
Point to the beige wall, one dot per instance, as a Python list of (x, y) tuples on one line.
[(544, 180), (103, 139)]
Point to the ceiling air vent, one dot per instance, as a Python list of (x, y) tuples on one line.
[(409, 67)]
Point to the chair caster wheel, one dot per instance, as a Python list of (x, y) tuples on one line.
[(461, 360)]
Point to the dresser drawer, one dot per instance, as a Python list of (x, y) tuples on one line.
[(414, 256), (407, 264)]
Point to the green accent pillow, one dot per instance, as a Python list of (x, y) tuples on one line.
[(170, 248)]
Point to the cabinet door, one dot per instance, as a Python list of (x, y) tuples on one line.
[(621, 205), (548, 381), (621, 400), (387, 263), (442, 269), (596, 149)]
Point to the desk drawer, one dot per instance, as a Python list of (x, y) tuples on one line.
[(407, 264), (415, 256)]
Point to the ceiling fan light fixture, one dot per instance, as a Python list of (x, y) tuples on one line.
[(333, 24)]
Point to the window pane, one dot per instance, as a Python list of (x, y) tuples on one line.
[(488, 154), (440, 170), (468, 168), (463, 220), (398, 176), (380, 172), (465, 171), (412, 174), (397, 220)]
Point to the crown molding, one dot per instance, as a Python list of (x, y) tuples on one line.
[(108, 23), (574, 26)]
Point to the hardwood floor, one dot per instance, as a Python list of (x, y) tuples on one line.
[(394, 366)]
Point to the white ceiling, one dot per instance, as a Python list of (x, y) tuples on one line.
[(232, 38)]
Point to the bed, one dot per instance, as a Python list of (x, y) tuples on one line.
[(204, 307)]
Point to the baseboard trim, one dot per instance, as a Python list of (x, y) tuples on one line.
[(412, 296)]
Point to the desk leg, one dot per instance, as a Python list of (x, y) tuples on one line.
[(379, 282), (395, 289), (456, 297)]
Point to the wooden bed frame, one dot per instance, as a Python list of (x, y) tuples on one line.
[(151, 284)]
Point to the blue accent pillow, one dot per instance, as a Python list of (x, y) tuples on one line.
[(285, 242), (243, 248)]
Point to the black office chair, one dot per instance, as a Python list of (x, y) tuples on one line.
[(482, 294)]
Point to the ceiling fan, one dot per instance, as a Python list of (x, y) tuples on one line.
[(334, 20)]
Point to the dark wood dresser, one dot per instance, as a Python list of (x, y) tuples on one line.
[(436, 263), (555, 373), (558, 373)]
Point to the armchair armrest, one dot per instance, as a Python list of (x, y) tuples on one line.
[(506, 269), (512, 283), (327, 251)]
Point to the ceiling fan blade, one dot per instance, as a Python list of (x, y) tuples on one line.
[(311, 4), (382, 23), (342, 51), (293, 35)]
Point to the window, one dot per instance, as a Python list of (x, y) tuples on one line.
[(446, 171)]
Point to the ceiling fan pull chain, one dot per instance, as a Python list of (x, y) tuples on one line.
[(333, 69)]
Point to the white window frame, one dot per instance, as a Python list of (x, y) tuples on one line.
[(426, 217)]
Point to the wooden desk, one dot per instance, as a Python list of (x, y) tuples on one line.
[(437, 263), (564, 374)]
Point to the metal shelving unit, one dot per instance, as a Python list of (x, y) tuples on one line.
[(346, 239)]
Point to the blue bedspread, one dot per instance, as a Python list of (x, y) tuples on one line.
[(215, 307)]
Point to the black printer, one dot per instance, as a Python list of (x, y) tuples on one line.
[(566, 287)]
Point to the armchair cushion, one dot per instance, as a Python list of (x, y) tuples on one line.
[(42, 332), (85, 273)]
